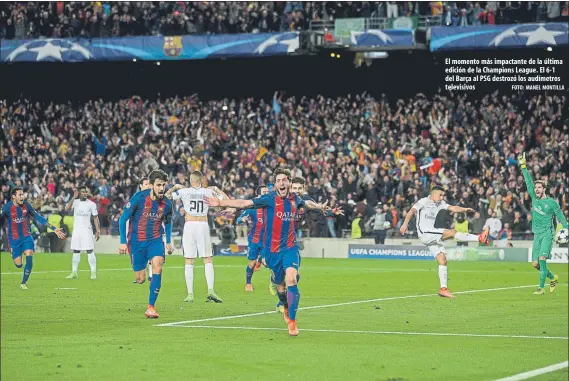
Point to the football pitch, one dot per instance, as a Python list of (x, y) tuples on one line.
[(359, 320)]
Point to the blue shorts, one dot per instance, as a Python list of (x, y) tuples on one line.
[(142, 252), (20, 245), (279, 262), (255, 250)]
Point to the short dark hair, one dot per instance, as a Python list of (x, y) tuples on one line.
[(15, 190), (437, 188), (141, 182), (281, 171), (259, 188), (157, 174), (299, 180)]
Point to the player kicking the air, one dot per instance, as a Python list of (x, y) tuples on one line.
[(82, 237), (196, 240), (255, 238), (20, 241), (427, 209), (147, 212), (281, 249), (543, 211)]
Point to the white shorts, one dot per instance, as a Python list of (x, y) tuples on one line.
[(82, 239), (433, 239), (196, 241)]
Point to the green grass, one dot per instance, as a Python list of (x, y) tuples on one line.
[(99, 332)]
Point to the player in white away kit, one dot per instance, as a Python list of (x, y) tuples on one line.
[(427, 209), (196, 239), (82, 238)]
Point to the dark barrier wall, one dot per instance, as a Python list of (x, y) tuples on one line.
[(402, 74)]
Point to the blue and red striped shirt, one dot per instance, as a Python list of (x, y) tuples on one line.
[(281, 214), (17, 219), (146, 218), (257, 217)]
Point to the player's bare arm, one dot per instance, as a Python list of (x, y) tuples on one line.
[(408, 217), (239, 204), (69, 205), (459, 209), (97, 228), (175, 188), (316, 206)]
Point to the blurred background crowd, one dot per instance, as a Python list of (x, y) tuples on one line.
[(89, 19), (373, 156)]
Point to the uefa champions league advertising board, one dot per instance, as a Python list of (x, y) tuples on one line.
[(471, 254)]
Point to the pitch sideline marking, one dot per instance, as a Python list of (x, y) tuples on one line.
[(319, 268), (536, 372), (337, 305), (379, 332)]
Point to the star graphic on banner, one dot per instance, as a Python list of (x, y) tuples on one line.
[(376, 32), (292, 44), (49, 50), (541, 35), (510, 32)]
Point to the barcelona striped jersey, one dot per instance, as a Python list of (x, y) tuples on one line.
[(257, 217), (281, 214), (146, 218), (17, 219)]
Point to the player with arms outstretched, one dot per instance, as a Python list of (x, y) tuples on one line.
[(281, 249), (544, 209), (82, 237), (150, 216), (20, 241), (427, 209), (255, 237), (196, 240)]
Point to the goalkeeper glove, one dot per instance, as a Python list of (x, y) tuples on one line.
[(522, 160)]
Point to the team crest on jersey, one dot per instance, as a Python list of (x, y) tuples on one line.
[(173, 46), (127, 206)]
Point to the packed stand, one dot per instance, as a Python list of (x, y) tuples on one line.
[(21, 20), (362, 153)]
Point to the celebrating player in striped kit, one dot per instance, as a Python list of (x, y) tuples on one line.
[(255, 238), (281, 249), (82, 237), (147, 211), (17, 212), (143, 184), (196, 240)]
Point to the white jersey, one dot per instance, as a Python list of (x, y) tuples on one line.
[(82, 212), (427, 211), (193, 200)]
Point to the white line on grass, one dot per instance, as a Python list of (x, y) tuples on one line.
[(121, 269), (536, 372), (337, 305), (379, 332), (65, 288), (387, 269)]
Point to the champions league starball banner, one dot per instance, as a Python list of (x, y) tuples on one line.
[(153, 48), (499, 36), (470, 254), (389, 252)]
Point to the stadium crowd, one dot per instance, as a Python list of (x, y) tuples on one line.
[(355, 151), (58, 19)]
